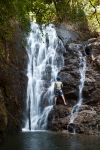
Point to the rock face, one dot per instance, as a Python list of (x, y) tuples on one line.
[(3, 117), (88, 119), (65, 34), (87, 122), (13, 83)]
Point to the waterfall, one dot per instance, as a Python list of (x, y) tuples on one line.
[(45, 59), (82, 70)]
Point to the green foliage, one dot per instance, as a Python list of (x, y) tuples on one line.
[(46, 11), (12, 13), (43, 11), (77, 13), (92, 12), (13, 10)]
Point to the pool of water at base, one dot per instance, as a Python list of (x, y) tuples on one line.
[(51, 141)]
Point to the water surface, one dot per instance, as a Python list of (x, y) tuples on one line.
[(51, 141)]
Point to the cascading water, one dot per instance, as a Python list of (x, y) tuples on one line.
[(45, 54), (82, 70)]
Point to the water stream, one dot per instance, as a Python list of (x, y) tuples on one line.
[(82, 70), (45, 59)]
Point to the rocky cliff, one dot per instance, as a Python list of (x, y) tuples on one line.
[(12, 84), (88, 119)]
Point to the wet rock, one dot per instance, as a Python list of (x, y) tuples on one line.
[(73, 128), (57, 120), (70, 72), (92, 40), (87, 121), (66, 34)]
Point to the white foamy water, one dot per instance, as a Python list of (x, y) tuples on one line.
[(45, 59), (82, 70)]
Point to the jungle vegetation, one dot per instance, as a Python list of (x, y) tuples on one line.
[(79, 12)]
